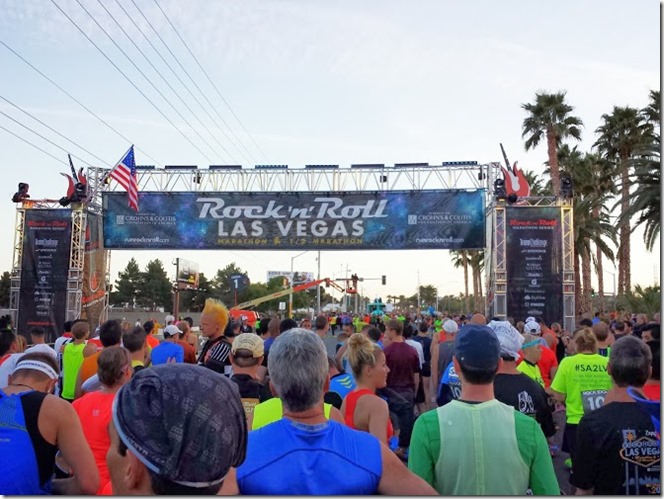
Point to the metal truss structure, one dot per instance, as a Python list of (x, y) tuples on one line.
[(496, 255)]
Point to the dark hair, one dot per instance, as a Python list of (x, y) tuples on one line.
[(629, 362), (110, 333), (655, 348), (189, 320), (231, 327), (38, 331), (620, 326), (262, 327), (478, 375), (67, 326), (134, 339), (374, 334), (148, 326), (7, 339), (320, 322), (424, 327), (6, 322), (586, 323), (407, 331), (287, 324)]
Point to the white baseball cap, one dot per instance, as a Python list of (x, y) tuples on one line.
[(532, 327), (169, 318)]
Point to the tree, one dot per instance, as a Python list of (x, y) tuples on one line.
[(476, 262), (550, 116), (536, 187), (193, 300), (5, 289), (642, 300), (126, 287), (155, 288), (460, 259), (621, 134), (222, 286)]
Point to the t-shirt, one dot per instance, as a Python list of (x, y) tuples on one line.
[(89, 366), (547, 362), (526, 396), (189, 351), (403, 362), (342, 383), (418, 348), (425, 341), (166, 351), (618, 452), (291, 458), (532, 371), (252, 392), (42, 348), (72, 358), (584, 381), (94, 411)]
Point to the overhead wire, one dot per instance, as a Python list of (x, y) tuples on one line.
[(33, 145), (212, 83), (45, 138), (53, 130), (167, 83), (140, 30), (101, 120), (125, 76)]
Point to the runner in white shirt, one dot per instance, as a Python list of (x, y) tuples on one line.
[(38, 336)]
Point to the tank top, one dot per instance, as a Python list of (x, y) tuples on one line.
[(26, 459), (72, 358), (351, 404)]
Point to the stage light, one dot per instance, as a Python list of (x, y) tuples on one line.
[(512, 198), (22, 193), (566, 185), (499, 189)]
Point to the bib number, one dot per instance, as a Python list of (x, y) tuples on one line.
[(592, 400)]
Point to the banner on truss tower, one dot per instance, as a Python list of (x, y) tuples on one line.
[(534, 263), (94, 272), (435, 219), (44, 269)]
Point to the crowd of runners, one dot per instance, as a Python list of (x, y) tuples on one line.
[(422, 405)]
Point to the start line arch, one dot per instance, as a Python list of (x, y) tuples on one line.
[(270, 207)]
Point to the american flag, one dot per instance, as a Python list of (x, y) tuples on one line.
[(125, 173)]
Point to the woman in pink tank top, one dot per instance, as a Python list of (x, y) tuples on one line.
[(362, 409)]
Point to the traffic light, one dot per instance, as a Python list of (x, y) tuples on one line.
[(384, 280)]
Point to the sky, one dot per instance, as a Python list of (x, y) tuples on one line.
[(316, 82)]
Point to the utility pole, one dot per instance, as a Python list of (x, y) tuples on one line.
[(419, 303), (318, 288)]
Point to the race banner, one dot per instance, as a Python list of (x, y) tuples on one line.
[(94, 272), (534, 263), (297, 277), (44, 269), (443, 219)]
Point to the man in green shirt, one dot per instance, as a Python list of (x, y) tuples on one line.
[(477, 445)]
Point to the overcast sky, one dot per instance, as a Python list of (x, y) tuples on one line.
[(320, 83)]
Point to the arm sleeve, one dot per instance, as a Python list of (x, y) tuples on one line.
[(583, 465), (424, 448)]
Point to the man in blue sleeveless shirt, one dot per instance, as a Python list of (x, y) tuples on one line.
[(304, 453)]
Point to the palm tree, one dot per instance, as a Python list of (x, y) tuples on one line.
[(476, 262), (550, 116), (621, 134), (535, 183), (460, 259)]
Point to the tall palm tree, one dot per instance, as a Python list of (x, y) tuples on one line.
[(621, 134), (537, 189), (476, 262), (461, 259), (551, 117)]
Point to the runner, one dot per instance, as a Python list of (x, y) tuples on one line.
[(581, 383), (168, 350), (72, 358), (184, 341), (94, 409), (34, 425), (246, 358), (531, 351), (362, 409), (110, 334), (215, 351)]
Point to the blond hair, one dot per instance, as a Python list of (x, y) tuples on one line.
[(218, 311), (585, 341), (361, 352)]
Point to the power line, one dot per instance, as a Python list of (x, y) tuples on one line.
[(167, 83), (53, 130), (46, 139), (212, 83), (123, 74), (251, 160), (33, 145), (196, 85), (77, 101)]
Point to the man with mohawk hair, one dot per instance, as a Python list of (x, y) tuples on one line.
[(215, 352)]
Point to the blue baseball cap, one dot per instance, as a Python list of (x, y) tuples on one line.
[(477, 346)]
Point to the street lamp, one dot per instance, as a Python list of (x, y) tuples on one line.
[(290, 297)]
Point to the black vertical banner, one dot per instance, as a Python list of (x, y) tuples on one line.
[(44, 269), (534, 263)]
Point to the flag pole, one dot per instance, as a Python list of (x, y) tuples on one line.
[(103, 179)]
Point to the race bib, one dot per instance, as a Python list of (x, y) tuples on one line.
[(592, 399)]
